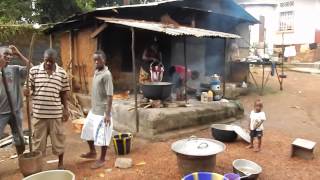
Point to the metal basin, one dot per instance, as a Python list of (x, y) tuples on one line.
[(197, 154), (52, 175), (246, 168), (157, 90), (223, 132), (204, 176)]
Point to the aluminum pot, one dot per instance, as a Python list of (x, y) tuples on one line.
[(247, 169), (197, 154), (156, 90), (223, 132)]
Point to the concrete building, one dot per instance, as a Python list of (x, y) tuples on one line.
[(284, 22)]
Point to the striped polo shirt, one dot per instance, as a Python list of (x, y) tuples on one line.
[(45, 91)]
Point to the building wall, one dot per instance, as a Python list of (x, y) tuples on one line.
[(65, 49), (85, 46), (82, 70), (195, 53), (268, 11), (22, 42), (305, 23), (305, 14)]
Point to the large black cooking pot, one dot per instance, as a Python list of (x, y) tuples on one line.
[(157, 90), (223, 132)]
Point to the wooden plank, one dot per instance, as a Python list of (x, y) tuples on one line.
[(135, 77), (185, 69), (99, 30)]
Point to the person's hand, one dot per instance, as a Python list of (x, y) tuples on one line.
[(107, 120), (66, 115), (14, 50), (26, 92)]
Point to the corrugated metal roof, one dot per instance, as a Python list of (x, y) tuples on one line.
[(136, 5), (168, 29)]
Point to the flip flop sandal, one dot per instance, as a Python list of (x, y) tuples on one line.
[(88, 156), (97, 165)]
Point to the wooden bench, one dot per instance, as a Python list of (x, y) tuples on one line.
[(303, 148)]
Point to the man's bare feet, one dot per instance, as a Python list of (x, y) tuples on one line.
[(89, 155), (257, 150), (250, 147), (98, 164), (60, 166)]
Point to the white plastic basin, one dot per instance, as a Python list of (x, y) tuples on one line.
[(52, 175)]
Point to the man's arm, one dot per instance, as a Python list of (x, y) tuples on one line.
[(64, 96), (108, 110), (147, 58), (16, 51), (109, 92), (258, 124), (64, 101)]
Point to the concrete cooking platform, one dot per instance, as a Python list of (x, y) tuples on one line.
[(156, 121)]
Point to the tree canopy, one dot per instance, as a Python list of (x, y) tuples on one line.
[(15, 10), (50, 11), (41, 11)]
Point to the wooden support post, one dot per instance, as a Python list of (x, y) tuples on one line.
[(185, 69), (28, 88), (51, 40), (226, 60), (262, 82), (71, 58), (135, 78), (78, 65)]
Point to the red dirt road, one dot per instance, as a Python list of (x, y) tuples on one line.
[(290, 114)]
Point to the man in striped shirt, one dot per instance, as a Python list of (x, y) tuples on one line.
[(49, 85)]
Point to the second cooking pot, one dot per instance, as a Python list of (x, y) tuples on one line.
[(197, 154)]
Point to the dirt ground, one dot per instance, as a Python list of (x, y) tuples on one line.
[(291, 113)]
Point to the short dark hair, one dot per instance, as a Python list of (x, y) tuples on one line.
[(258, 102), (172, 70), (101, 54), (51, 52), (195, 73)]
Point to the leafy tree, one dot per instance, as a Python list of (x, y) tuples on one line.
[(15, 11), (54, 11), (104, 3), (86, 5)]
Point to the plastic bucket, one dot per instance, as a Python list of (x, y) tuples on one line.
[(52, 175), (232, 176), (122, 143), (204, 176)]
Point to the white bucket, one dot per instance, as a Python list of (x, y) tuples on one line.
[(52, 175)]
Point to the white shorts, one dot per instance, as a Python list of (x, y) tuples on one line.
[(94, 129)]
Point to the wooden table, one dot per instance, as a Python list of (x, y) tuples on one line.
[(303, 148)]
